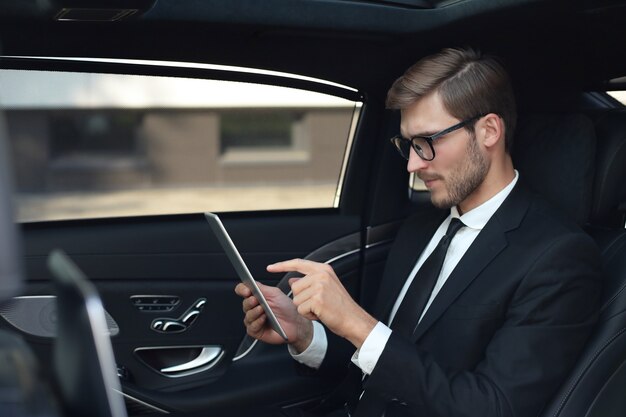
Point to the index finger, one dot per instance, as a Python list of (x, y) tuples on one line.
[(295, 265)]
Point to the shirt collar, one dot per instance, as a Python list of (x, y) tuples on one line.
[(478, 217)]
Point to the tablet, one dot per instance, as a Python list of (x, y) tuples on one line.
[(242, 270)]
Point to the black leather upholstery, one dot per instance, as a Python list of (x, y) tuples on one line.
[(569, 139), (596, 385), (609, 189)]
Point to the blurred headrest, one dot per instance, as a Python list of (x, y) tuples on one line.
[(610, 181), (555, 155)]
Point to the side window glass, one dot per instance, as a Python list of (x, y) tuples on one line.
[(415, 184), (105, 145), (619, 96)]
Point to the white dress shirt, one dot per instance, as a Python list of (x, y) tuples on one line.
[(367, 356)]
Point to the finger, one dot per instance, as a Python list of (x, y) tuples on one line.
[(309, 307), (253, 315), (242, 290), (249, 303), (298, 285), (295, 265), (257, 326), (306, 310), (302, 294)]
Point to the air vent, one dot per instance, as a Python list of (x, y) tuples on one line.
[(413, 4), (93, 15), (98, 10)]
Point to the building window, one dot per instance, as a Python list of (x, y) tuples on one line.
[(263, 136), (257, 130), (95, 131)]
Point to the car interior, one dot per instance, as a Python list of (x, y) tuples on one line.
[(84, 362), (127, 120)]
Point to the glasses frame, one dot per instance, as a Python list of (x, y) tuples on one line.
[(396, 140)]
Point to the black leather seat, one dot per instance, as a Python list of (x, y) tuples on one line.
[(555, 155), (609, 188), (597, 385)]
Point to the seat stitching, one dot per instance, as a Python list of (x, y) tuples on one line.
[(584, 370), (612, 299)]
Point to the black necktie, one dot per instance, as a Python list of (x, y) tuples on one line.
[(418, 294), (410, 310)]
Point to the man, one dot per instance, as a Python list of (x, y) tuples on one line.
[(485, 303)]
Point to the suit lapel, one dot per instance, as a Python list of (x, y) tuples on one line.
[(489, 243), (416, 234)]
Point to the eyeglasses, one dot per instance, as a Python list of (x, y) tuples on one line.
[(423, 145)]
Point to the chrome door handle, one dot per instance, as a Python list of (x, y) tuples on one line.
[(207, 358), (207, 355), (180, 361)]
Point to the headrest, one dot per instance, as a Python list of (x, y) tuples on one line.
[(555, 155), (610, 180)]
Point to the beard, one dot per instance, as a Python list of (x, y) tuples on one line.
[(465, 178)]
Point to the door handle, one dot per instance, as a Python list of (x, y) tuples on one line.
[(207, 358), (180, 361)]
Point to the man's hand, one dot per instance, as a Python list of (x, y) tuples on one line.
[(319, 295), (298, 329)]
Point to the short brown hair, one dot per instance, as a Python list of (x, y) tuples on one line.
[(469, 84)]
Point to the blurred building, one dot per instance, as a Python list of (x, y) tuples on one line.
[(85, 133)]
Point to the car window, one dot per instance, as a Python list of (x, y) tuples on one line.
[(618, 95), (88, 145), (415, 183)]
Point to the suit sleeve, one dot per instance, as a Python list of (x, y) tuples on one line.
[(547, 322)]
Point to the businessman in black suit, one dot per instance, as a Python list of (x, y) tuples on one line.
[(486, 299)]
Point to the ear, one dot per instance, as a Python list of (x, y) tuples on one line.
[(492, 130)]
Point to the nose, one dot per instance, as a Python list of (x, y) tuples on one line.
[(415, 163)]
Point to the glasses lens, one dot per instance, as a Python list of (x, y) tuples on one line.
[(423, 148), (402, 145)]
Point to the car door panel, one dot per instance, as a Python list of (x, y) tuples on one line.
[(178, 257)]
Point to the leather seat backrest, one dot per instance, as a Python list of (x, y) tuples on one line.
[(555, 155), (596, 385), (609, 191)]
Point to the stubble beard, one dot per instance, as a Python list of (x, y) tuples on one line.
[(465, 178)]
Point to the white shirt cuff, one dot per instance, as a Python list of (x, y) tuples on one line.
[(313, 355), (367, 356)]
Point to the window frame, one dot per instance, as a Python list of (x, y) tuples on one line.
[(204, 72)]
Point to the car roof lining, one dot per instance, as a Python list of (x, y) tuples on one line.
[(541, 42)]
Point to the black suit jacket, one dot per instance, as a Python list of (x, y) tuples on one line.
[(506, 327)]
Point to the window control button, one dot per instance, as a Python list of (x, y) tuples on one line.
[(155, 302)]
